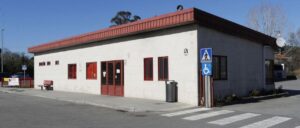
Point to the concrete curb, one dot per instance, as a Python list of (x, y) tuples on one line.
[(265, 97), (128, 109)]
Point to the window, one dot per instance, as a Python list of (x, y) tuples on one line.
[(269, 71), (148, 68), (48, 63), (72, 71), (91, 70), (163, 68), (103, 73), (56, 62), (42, 64), (220, 67)]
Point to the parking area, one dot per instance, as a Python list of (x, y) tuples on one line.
[(286, 106), (35, 112)]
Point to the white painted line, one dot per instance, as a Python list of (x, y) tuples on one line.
[(297, 127), (233, 119), (268, 122), (207, 115), (186, 112)]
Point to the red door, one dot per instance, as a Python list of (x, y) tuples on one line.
[(112, 78), (119, 78)]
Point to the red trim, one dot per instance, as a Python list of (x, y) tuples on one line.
[(178, 18), (159, 22)]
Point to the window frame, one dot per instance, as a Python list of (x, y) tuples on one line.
[(57, 62), (220, 67), (146, 77), (48, 63), (94, 71), (41, 64), (163, 77), (74, 73)]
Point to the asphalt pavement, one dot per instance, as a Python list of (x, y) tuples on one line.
[(35, 112), (285, 106)]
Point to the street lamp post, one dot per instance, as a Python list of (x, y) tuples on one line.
[(2, 59)]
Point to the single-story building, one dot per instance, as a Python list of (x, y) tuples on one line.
[(135, 59)]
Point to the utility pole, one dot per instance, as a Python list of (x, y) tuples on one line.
[(2, 59)]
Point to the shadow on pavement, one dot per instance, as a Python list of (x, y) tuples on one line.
[(292, 92)]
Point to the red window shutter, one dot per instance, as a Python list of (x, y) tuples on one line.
[(74, 72), (163, 69), (148, 68)]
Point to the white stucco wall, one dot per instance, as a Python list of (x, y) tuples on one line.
[(245, 61), (133, 49)]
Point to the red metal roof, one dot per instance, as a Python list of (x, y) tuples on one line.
[(187, 16), (158, 22)]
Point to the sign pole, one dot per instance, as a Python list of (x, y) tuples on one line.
[(208, 92), (206, 62), (24, 78), (206, 95), (24, 68)]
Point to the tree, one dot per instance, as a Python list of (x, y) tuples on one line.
[(14, 61), (271, 20), (123, 17), (267, 18), (292, 51)]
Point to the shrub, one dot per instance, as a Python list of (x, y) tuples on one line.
[(254, 92), (278, 90)]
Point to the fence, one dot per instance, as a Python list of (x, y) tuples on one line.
[(23, 83), (26, 83)]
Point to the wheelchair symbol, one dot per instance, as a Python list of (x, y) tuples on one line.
[(206, 69)]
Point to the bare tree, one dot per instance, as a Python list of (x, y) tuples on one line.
[(267, 18), (271, 20), (292, 51)]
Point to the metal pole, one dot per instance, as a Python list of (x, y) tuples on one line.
[(24, 78), (2, 42), (206, 91)]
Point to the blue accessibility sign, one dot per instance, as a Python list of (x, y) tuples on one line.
[(206, 55), (206, 69)]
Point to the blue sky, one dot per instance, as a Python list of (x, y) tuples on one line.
[(32, 22)]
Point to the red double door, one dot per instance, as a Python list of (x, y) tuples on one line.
[(112, 78)]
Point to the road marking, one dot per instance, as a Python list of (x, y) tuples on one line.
[(233, 119), (207, 115), (268, 122), (297, 127), (186, 112)]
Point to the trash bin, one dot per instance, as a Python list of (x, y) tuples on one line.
[(171, 91)]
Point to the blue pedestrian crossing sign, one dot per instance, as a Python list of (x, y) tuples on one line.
[(206, 55), (206, 69)]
